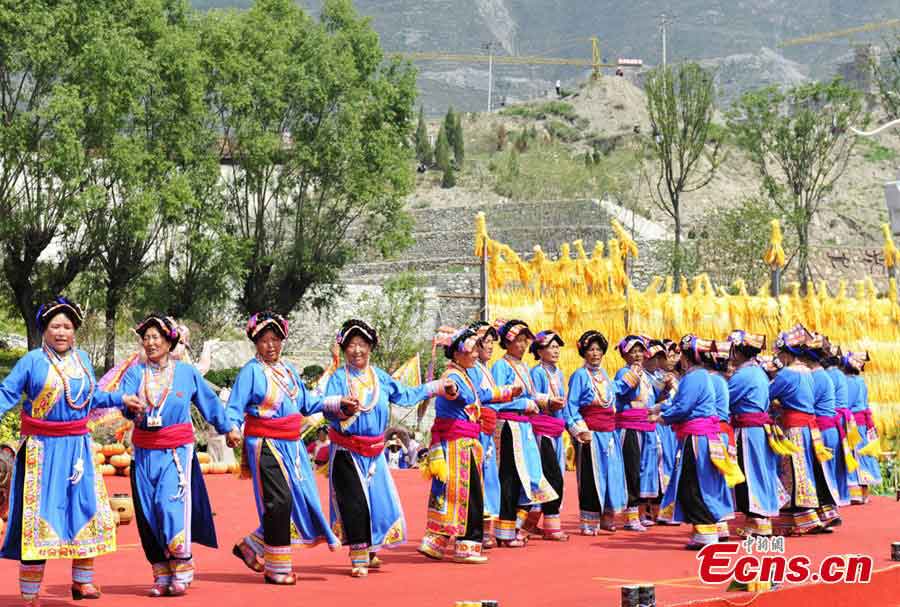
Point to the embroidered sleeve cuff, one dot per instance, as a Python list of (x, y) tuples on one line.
[(434, 388), (578, 427), (501, 394), (631, 378), (331, 407)]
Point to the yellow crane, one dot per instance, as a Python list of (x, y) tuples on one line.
[(595, 62), (868, 27)]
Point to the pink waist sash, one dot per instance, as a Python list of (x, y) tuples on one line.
[(547, 425), (446, 429), (599, 419), (750, 420), (864, 418), (634, 419), (41, 427), (514, 417), (826, 423), (170, 437), (700, 426)]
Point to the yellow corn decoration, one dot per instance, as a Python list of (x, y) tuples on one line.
[(579, 291)]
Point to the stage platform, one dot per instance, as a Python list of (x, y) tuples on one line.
[(586, 571)]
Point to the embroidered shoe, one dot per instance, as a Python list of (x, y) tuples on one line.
[(359, 571), (634, 526), (85, 591), (374, 561), (177, 589), (250, 558), (280, 579), (158, 590)]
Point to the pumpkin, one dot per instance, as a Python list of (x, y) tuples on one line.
[(107, 470), (99, 459), (203, 457), (123, 471), (204, 468), (219, 467), (118, 448), (120, 461), (116, 517), (234, 467)]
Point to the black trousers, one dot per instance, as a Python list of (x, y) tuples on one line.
[(351, 500), (631, 457), (278, 502), (690, 497), (16, 509), (475, 516), (554, 476), (741, 492), (510, 483), (822, 492), (587, 491)]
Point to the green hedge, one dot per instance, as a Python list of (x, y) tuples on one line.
[(223, 378)]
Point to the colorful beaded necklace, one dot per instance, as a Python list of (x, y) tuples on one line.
[(53, 357)]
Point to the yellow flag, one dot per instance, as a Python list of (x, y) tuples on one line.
[(409, 373)]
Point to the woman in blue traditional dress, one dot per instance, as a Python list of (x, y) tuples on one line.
[(270, 400), (58, 504), (548, 427), (455, 504), (366, 514), (493, 400), (522, 481), (761, 496), (716, 364), (591, 419), (637, 434), (698, 492), (666, 439), (801, 473), (172, 506), (869, 471), (826, 420), (848, 483)]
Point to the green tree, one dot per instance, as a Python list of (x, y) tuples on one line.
[(442, 150), (887, 78), (448, 178), (152, 161), (450, 127), (424, 153), (681, 104), (459, 145), (798, 141), (316, 127), (65, 71), (398, 313)]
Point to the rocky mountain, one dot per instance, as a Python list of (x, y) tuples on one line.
[(735, 36)]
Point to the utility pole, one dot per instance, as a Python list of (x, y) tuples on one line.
[(663, 24), (489, 47)]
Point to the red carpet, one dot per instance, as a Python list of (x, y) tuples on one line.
[(585, 571)]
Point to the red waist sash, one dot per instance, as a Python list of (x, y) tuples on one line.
[(42, 427), (795, 419), (727, 429), (367, 446), (285, 428), (511, 416), (634, 419), (170, 437), (547, 425), (864, 418), (488, 420), (446, 429), (599, 419), (699, 426), (750, 420)]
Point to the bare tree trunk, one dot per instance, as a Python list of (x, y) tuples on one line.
[(803, 253), (677, 254), (112, 306)]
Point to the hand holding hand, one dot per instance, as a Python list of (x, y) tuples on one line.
[(556, 403), (531, 408), (233, 438), (583, 437), (451, 390), (517, 390), (133, 404), (350, 405)]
